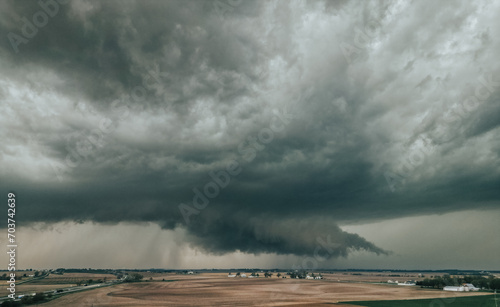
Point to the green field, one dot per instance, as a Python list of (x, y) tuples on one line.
[(467, 301)]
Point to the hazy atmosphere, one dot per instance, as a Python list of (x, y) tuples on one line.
[(222, 134)]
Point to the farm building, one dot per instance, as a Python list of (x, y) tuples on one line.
[(407, 283), (231, 275), (470, 287), (462, 288)]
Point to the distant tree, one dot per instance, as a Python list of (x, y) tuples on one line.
[(480, 282), (495, 284), (90, 281), (279, 275), (79, 283), (150, 278), (10, 303), (136, 277), (238, 274), (37, 273), (26, 300)]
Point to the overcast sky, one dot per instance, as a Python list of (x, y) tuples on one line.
[(190, 134)]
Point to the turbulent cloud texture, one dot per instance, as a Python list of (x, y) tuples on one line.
[(325, 112)]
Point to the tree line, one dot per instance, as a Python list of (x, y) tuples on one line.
[(439, 282), (39, 297)]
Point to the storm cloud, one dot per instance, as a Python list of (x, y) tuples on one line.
[(255, 126)]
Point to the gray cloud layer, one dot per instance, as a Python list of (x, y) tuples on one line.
[(114, 111)]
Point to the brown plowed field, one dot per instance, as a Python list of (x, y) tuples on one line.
[(219, 290)]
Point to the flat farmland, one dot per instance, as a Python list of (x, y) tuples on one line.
[(72, 278), (51, 282), (378, 276), (82, 276), (219, 290)]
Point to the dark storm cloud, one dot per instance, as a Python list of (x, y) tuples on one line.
[(192, 83)]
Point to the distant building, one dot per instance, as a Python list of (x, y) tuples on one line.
[(309, 277), (243, 275), (470, 287), (407, 283), (462, 288), (231, 275), (190, 272)]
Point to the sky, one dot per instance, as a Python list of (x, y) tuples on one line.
[(227, 133)]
